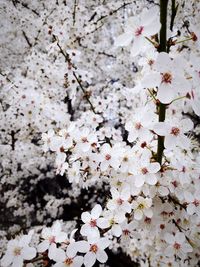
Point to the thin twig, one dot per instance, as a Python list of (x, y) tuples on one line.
[(85, 93)]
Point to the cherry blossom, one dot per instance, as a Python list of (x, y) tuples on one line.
[(18, 250)]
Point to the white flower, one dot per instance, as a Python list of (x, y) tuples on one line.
[(140, 124), (51, 236), (68, 258), (141, 207), (137, 28), (18, 250), (91, 221), (47, 138), (110, 156), (174, 133), (112, 220), (168, 77), (119, 200), (177, 244), (96, 252)]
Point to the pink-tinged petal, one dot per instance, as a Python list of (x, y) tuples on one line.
[(139, 180), (124, 39), (151, 80), (165, 94), (28, 253), (86, 217), (138, 214), (17, 262), (89, 259), (151, 179), (169, 238), (77, 261), (180, 237), (102, 256), (116, 230), (43, 246), (96, 211), (7, 259)]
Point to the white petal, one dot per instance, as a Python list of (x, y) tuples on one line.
[(7, 259), (28, 253), (102, 256), (138, 214), (151, 80), (96, 211), (17, 262), (77, 261), (180, 237), (139, 180), (82, 246), (116, 230), (85, 217), (44, 245), (89, 259), (123, 39), (165, 93)]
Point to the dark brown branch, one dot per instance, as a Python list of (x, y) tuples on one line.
[(27, 39)]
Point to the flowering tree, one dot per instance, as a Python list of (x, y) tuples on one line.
[(111, 89)]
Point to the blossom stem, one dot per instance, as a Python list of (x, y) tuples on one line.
[(162, 48)]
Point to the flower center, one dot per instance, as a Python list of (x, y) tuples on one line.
[(17, 251), (93, 223), (138, 126), (108, 157), (119, 201), (196, 202), (166, 77), (84, 140), (144, 171), (175, 131), (141, 206), (139, 31), (94, 248), (68, 261), (126, 232), (52, 239), (177, 246)]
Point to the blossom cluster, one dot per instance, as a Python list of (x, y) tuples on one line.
[(152, 211)]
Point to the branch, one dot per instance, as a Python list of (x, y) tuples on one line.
[(162, 48), (84, 91), (174, 10)]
